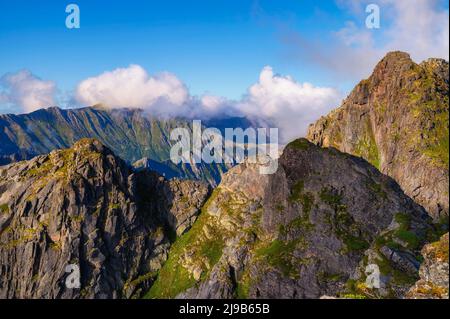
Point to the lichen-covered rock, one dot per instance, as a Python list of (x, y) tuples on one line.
[(308, 230), (434, 272), (398, 120), (84, 206)]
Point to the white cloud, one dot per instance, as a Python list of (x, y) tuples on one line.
[(419, 27), (26, 92), (279, 100), (212, 103), (163, 94), (132, 87), (288, 104)]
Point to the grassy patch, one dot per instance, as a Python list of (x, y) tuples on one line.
[(431, 105), (279, 255), (4, 208), (306, 199), (355, 243), (330, 197), (300, 144), (243, 286), (328, 277), (366, 146), (403, 231), (174, 278), (344, 223), (377, 189), (398, 277), (148, 276), (386, 240), (298, 196), (438, 148), (296, 191), (409, 237)]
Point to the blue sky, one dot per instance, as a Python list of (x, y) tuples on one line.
[(217, 46), (290, 60)]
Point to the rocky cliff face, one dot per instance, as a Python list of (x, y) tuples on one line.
[(85, 206), (398, 119), (433, 283), (311, 229)]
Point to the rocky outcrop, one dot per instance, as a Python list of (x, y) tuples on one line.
[(397, 119), (433, 283), (84, 206), (309, 230)]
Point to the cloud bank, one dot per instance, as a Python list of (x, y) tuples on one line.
[(26, 92), (132, 87), (277, 100), (288, 104)]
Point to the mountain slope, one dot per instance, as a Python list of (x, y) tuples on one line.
[(308, 230), (398, 120), (85, 206), (130, 133)]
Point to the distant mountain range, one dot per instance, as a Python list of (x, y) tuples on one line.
[(131, 133)]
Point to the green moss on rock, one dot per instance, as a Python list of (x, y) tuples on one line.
[(404, 233), (4, 208), (278, 254), (174, 278), (368, 149), (300, 144)]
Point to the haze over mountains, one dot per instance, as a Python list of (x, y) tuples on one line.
[(369, 187)]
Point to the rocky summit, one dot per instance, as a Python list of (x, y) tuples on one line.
[(398, 120), (84, 206), (313, 228)]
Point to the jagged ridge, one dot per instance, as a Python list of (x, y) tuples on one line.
[(85, 206)]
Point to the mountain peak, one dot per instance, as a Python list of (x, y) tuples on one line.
[(397, 119), (395, 56), (91, 145), (393, 64)]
